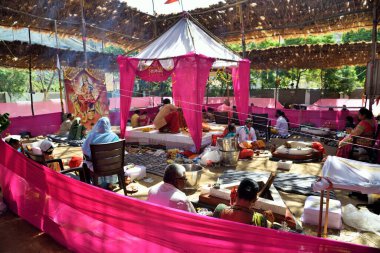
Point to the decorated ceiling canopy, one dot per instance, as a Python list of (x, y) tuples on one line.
[(16, 54), (311, 56), (263, 19), (115, 21), (109, 20)]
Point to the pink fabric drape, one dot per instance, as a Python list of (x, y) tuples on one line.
[(240, 80), (85, 218), (127, 67), (189, 84)]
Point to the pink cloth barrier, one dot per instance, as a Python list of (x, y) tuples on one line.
[(298, 117), (36, 125), (325, 103), (85, 218), (258, 102)]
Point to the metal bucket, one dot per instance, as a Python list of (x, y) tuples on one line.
[(230, 158), (228, 144), (193, 175)]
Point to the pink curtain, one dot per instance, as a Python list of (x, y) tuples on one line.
[(85, 218), (127, 67), (240, 79), (189, 84)]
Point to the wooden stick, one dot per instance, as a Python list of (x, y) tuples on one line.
[(326, 214), (320, 215)]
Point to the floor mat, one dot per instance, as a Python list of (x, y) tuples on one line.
[(286, 182), (154, 164), (232, 176), (64, 140), (297, 184)]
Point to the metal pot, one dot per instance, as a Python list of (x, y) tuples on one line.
[(193, 175), (228, 144), (230, 158)]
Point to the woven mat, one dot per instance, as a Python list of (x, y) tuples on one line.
[(154, 164), (286, 182)]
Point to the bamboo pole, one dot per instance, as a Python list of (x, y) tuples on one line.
[(373, 53), (326, 214), (30, 73), (84, 36), (243, 45), (320, 215), (59, 68)]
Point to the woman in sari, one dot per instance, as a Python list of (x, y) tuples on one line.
[(240, 209), (101, 133), (365, 132)]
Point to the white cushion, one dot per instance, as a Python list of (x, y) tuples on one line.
[(311, 212)]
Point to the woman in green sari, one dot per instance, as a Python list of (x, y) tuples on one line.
[(77, 130)]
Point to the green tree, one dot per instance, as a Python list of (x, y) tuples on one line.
[(357, 36), (14, 82), (112, 49), (268, 79), (45, 81), (339, 80)]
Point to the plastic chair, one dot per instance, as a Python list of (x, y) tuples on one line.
[(261, 123), (41, 160), (107, 160)]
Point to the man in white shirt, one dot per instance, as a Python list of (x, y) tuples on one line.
[(169, 193), (247, 133), (281, 124)]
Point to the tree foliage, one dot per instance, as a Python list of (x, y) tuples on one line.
[(14, 82)]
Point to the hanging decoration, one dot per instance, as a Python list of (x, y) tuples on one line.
[(155, 71)]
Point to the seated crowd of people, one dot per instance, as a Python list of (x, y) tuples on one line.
[(170, 192)]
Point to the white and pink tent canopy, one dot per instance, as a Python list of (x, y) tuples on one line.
[(186, 53)]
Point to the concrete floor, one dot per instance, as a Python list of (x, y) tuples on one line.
[(17, 235)]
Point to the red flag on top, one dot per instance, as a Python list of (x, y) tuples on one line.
[(170, 1)]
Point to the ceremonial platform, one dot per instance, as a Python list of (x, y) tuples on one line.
[(148, 135)]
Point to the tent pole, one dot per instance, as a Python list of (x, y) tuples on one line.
[(59, 68), (319, 233), (84, 36), (155, 21), (242, 32), (373, 53), (30, 73), (325, 226)]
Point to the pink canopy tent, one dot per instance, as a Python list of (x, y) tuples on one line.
[(186, 53)]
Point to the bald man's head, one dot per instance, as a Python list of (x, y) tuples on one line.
[(175, 175)]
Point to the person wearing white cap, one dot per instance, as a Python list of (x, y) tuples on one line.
[(169, 193), (47, 148), (14, 141)]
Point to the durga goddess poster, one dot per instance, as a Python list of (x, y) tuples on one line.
[(86, 95)]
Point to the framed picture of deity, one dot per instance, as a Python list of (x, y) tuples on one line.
[(86, 95)]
